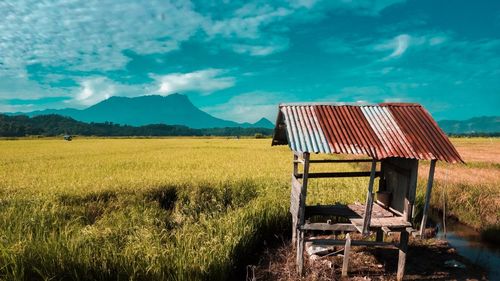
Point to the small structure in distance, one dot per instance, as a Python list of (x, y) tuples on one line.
[(395, 137), (68, 137)]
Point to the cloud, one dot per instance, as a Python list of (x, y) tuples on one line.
[(270, 47), (203, 81), (401, 43), (90, 35), (249, 107), (398, 45), (94, 90), (245, 22)]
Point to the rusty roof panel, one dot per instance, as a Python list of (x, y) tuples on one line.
[(379, 131)]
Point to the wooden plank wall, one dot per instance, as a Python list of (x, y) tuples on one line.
[(400, 178)]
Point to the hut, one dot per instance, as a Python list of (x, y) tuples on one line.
[(393, 137)]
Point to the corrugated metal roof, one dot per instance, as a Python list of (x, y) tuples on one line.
[(379, 131)]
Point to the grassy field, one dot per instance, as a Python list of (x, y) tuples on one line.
[(471, 190), (177, 209)]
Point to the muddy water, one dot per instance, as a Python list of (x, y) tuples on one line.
[(467, 241)]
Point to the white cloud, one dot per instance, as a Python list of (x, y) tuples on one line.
[(202, 81), (246, 22), (94, 90), (249, 107), (90, 35), (401, 43), (398, 45), (272, 46)]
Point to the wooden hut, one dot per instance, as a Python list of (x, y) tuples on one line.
[(393, 136)]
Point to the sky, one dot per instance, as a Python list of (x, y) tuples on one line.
[(238, 60)]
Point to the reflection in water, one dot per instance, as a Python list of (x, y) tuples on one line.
[(468, 244)]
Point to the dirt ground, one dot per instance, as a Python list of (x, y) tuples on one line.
[(425, 261)]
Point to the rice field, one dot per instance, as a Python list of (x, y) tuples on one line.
[(157, 209)]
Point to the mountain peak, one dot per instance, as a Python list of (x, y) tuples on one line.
[(264, 123), (174, 109)]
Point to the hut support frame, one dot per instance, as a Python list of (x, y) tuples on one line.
[(300, 212), (428, 192)]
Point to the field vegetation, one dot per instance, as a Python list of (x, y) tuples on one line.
[(470, 191), (152, 209)]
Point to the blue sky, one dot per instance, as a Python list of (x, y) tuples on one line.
[(238, 59)]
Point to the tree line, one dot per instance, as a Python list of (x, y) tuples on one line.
[(54, 125)]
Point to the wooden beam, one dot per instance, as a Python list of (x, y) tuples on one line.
[(294, 203), (333, 242), (403, 248), (329, 227), (302, 209), (330, 210), (369, 200), (428, 191), (339, 175), (347, 251)]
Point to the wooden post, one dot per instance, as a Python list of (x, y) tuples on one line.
[(347, 250), (427, 197), (403, 248), (369, 199), (380, 235), (301, 222), (294, 216)]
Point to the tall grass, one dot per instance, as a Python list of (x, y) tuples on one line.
[(135, 209), (146, 209)]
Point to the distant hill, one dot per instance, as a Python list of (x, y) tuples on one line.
[(53, 125), (174, 109), (477, 125)]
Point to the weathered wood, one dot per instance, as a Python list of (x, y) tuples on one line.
[(339, 175), (300, 251), (394, 222), (403, 249), (334, 242), (412, 190), (385, 229), (347, 211), (369, 199), (294, 200), (329, 227), (301, 219), (427, 197), (380, 235), (347, 251), (295, 197), (294, 230)]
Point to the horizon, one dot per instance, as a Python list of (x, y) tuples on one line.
[(239, 61), (249, 122)]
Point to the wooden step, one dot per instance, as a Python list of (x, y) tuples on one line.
[(329, 227)]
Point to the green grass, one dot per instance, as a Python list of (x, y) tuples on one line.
[(146, 209)]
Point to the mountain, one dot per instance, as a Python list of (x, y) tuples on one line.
[(174, 109), (477, 125)]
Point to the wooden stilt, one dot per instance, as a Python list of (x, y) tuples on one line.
[(292, 201), (369, 199), (403, 248), (347, 251), (427, 197), (301, 221)]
